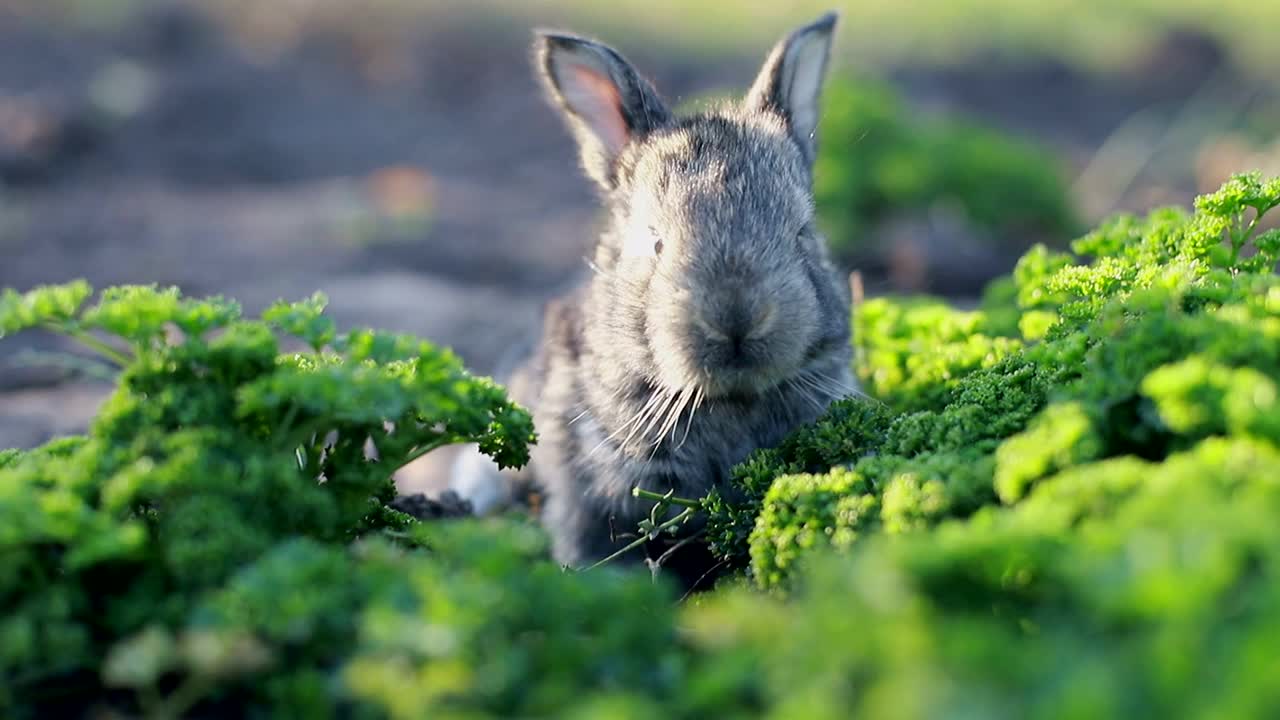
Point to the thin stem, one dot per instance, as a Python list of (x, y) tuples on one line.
[(90, 341), (418, 452), (1253, 225), (667, 498), (684, 515), (1239, 235), (1246, 233)]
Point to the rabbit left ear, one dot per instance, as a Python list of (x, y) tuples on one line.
[(604, 100), (790, 83)]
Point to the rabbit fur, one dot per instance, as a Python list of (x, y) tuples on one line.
[(713, 322)]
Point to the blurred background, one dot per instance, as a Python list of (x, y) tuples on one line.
[(395, 154)]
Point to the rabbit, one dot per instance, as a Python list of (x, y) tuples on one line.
[(714, 322)]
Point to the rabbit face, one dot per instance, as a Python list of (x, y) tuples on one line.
[(714, 220), (711, 277)]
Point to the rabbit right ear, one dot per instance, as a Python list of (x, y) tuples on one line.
[(604, 100), (790, 83)]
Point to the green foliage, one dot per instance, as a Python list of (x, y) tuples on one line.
[(215, 452), (1168, 337), (1117, 556), (803, 511), (877, 160), (849, 429), (513, 635), (1061, 504), (909, 469), (479, 625), (1117, 589)]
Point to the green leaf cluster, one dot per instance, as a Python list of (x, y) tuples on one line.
[(1061, 504), (217, 452), (1158, 334)]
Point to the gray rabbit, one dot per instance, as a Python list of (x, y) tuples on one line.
[(714, 322)]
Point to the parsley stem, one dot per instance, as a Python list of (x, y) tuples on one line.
[(667, 498), (684, 515), (423, 450), (88, 340)]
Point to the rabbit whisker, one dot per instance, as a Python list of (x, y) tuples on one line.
[(669, 398), (805, 393), (821, 397), (834, 386), (697, 403), (636, 420), (672, 420)]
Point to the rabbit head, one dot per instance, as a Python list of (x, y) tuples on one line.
[(711, 275)]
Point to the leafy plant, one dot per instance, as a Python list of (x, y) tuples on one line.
[(214, 450), (1077, 522), (1061, 504), (1169, 337)]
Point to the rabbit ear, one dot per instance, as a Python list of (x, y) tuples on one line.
[(790, 83), (604, 100)]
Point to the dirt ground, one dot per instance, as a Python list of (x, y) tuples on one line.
[(429, 190)]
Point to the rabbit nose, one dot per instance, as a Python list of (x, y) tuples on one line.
[(738, 322)]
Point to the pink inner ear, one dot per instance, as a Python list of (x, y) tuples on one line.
[(596, 99)]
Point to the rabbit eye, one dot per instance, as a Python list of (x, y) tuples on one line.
[(657, 240)]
